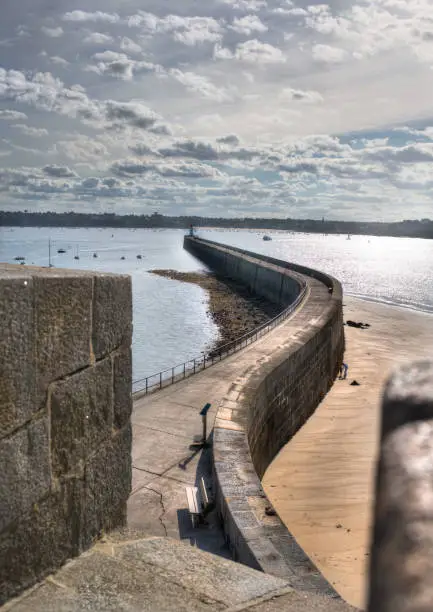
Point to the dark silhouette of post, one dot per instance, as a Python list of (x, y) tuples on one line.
[(200, 441), (401, 564)]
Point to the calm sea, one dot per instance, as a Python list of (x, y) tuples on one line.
[(171, 323)]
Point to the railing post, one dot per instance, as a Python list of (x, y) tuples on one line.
[(160, 380), (184, 369), (172, 375), (194, 365), (147, 382)]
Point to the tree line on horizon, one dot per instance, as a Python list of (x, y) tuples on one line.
[(408, 228)]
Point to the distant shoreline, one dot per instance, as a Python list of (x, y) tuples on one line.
[(401, 229)]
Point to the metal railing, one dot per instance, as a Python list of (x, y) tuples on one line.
[(188, 368)]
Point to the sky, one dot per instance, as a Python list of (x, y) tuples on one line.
[(221, 108)]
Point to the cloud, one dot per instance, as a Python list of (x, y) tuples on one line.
[(129, 46), (245, 5), (141, 149), (248, 25), (233, 106), (187, 30), (60, 61), (52, 32), (12, 115), (182, 170), (201, 85), (327, 54), (230, 139), (299, 95), (95, 17), (134, 114), (98, 38), (46, 92), (252, 51), (189, 148), (59, 171), (30, 131), (119, 65)]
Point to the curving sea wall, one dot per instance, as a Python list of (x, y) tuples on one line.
[(65, 406), (268, 404), (266, 279)]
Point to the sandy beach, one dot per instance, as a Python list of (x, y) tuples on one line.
[(321, 483)]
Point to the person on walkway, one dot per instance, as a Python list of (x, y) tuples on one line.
[(343, 370)]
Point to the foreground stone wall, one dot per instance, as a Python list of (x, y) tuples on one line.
[(65, 405), (267, 405)]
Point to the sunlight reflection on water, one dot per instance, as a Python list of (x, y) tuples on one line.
[(171, 323)]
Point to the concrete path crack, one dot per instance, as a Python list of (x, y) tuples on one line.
[(161, 501)]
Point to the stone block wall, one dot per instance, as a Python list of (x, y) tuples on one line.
[(267, 405), (264, 276), (65, 405)]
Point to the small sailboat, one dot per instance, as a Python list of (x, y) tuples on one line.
[(61, 251), (348, 237), (76, 256)]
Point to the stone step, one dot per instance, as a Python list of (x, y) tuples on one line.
[(162, 574)]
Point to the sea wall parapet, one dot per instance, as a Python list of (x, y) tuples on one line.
[(268, 404)]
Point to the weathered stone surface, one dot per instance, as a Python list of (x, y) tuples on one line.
[(99, 583), (57, 418), (17, 376), (40, 541), (107, 486), (112, 313), (122, 372), (81, 417), (217, 578), (62, 326), (25, 474)]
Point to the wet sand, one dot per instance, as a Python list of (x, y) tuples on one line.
[(233, 308), (321, 483)]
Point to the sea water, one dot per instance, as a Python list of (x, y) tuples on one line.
[(171, 319)]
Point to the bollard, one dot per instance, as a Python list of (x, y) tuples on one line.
[(201, 441), (401, 563)]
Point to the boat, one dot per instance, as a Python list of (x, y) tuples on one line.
[(19, 258), (95, 254), (138, 256), (348, 237), (266, 237), (61, 251)]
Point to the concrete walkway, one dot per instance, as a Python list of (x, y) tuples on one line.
[(164, 425)]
